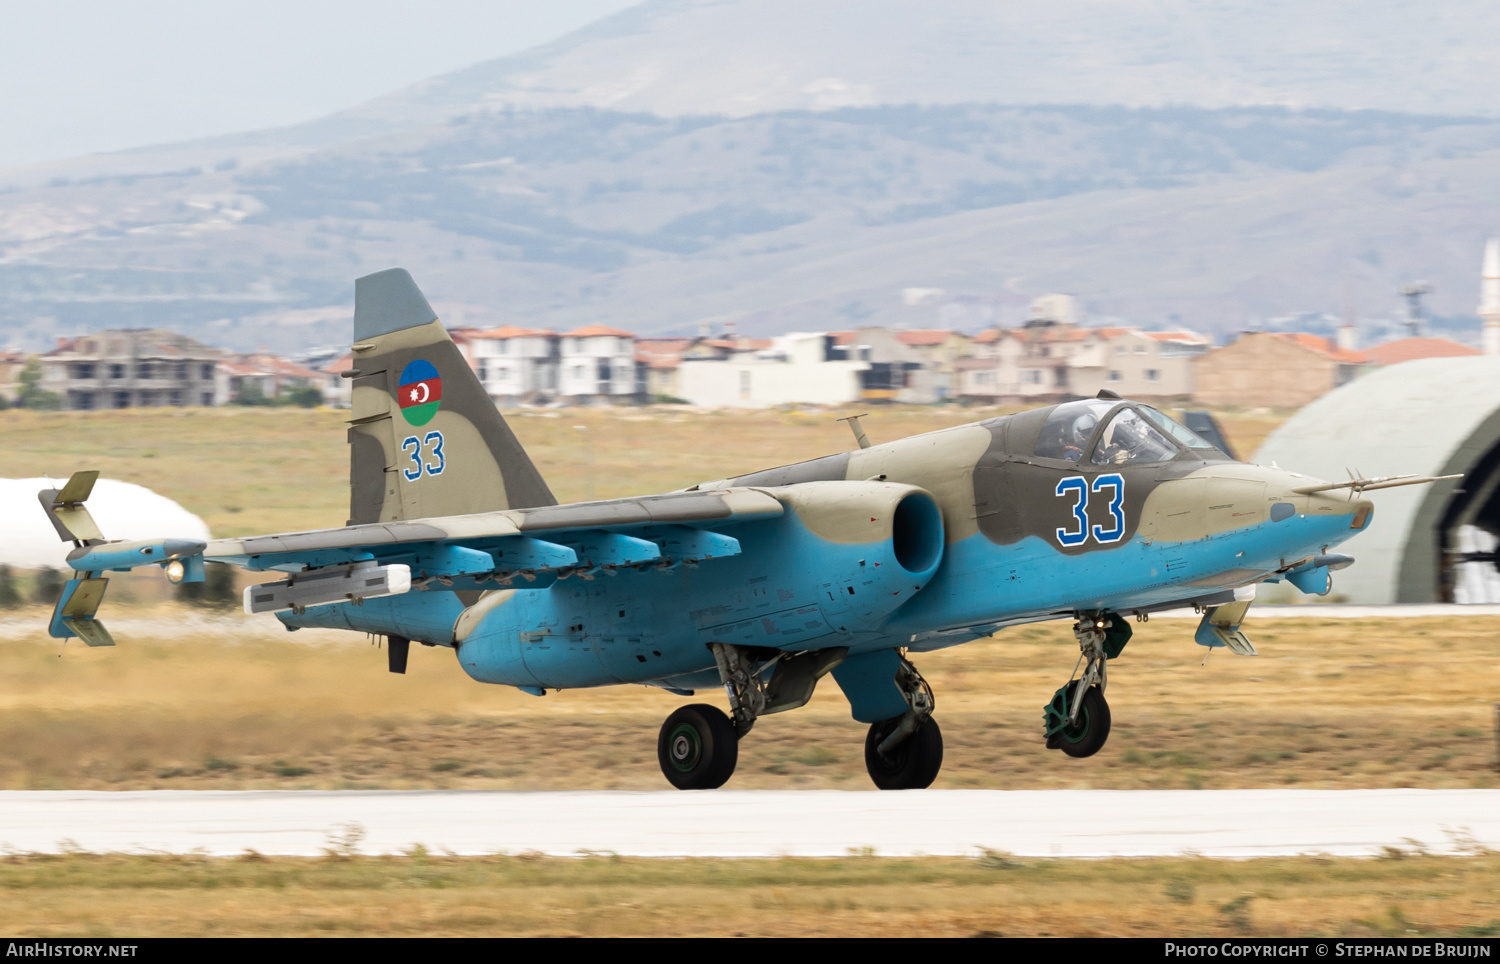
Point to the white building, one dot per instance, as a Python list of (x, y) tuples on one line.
[(598, 362), (514, 363), (1061, 309), (799, 368), (1136, 364), (1046, 360)]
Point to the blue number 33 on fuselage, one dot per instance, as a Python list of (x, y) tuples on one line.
[(1078, 487)]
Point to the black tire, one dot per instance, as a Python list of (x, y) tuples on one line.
[(1086, 737), (913, 764), (697, 748)]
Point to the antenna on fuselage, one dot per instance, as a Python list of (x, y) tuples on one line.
[(859, 433)]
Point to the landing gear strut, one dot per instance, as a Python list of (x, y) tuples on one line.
[(743, 682), (906, 751), (1077, 719), (698, 745)]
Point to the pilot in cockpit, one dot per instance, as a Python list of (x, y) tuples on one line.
[(1129, 438)]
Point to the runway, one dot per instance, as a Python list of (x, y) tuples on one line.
[(750, 823)]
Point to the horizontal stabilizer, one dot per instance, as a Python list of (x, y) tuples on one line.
[(353, 583)]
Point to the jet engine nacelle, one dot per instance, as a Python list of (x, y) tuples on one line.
[(878, 544)]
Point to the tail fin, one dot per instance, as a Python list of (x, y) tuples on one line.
[(425, 439)]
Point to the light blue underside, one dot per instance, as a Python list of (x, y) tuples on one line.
[(788, 589)]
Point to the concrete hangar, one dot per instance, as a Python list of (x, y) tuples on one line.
[(1439, 416)]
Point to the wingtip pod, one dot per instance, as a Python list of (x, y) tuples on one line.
[(388, 301)]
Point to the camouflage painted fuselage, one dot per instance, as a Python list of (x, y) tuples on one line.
[(1023, 538)]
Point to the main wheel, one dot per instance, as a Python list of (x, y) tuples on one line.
[(912, 764), (1087, 736), (697, 748)]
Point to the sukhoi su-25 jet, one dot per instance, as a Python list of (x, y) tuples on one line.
[(853, 565)]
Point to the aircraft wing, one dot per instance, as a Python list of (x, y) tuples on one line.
[(549, 537), (483, 550)]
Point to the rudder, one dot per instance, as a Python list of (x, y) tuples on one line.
[(424, 437)]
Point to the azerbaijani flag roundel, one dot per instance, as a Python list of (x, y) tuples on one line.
[(419, 392)]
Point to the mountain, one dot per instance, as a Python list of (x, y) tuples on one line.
[(1120, 151), (744, 57)]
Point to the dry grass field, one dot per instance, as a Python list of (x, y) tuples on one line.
[(252, 470), (1405, 895), (192, 699)]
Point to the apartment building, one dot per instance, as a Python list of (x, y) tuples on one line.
[(597, 362), (516, 364), (132, 368)]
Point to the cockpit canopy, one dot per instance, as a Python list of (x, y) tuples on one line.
[(1130, 433)]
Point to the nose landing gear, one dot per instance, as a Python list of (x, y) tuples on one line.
[(1077, 732), (1077, 719)]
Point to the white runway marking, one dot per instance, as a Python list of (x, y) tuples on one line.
[(813, 823)]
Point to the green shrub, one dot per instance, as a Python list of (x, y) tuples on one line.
[(217, 590), (10, 596), (48, 587)]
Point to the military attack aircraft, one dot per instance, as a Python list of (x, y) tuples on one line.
[(1096, 510)]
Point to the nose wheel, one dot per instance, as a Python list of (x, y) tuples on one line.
[(1081, 734), (697, 748), (1076, 721)]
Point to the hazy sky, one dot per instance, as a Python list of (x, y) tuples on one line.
[(78, 76)]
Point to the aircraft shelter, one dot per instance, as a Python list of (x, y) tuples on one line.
[(1435, 416)]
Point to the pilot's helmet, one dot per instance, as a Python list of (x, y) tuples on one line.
[(1083, 427)]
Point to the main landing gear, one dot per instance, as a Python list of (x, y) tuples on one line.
[(906, 751), (1077, 721), (698, 745), (698, 748)]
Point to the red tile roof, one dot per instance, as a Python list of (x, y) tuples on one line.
[(986, 336), (593, 331), (661, 352), (511, 331), (1322, 346), (1190, 337), (920, 337), (1410, 349), (276, 364)]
